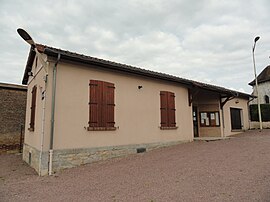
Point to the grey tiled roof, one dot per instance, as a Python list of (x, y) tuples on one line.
[(264, 76), (109, 65)]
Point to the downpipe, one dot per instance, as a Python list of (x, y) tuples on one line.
[(42, 125), (52, 115)]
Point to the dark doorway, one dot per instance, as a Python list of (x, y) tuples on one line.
[(195, 122), (236, 119)]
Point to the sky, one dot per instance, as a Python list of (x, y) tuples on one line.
[(204, 40)]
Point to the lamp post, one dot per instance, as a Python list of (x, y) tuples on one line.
[(26, 37), (31, 42), (256, 82)]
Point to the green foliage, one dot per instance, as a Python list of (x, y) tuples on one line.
[(265, 111)]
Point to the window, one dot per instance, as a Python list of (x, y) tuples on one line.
[(209, 119), (101, 105), (167, 110), (266, 98), (33, 109)]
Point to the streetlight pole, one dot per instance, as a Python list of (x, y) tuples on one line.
[(256, 82), (31, 42)]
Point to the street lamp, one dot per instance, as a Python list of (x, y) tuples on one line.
[(25, 36), (256, 82), (30, 41)]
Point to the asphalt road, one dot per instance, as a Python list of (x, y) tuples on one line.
[(237, 169)]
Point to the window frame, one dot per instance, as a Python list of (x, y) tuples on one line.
[(209, 118), (101, 106), (167, 110), (33, 108)]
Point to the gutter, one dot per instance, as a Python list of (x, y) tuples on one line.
[(115, 67), (69, 56), (52, 114)]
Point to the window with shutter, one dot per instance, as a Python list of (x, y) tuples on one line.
[(101, 105), (167, 110), (33, 109)]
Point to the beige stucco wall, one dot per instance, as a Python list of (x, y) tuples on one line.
[(137, 112), (40, 70), (239, 104)]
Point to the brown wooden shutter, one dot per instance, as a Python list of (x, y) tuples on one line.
[(171, 110), (101, 105), (33, 108), (95, 98), (167, 109), (108, 100), (163, 108)]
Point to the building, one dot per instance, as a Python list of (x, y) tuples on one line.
[(263, 86), (12, 115), (82, 109), (264, 93)]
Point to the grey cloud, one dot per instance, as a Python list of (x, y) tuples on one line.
[(209, 41)]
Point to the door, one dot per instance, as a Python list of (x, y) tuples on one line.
[(236, 119), (195, 122)]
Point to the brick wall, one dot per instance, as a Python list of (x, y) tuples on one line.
[(12, 115)]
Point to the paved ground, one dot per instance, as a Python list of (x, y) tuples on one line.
[(236, 169)]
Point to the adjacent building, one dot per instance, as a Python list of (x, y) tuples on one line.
[(264, 93), (12, 115), (82, 109)]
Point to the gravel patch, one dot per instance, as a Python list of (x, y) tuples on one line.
[(235, 169)]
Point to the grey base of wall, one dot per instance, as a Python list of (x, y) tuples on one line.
[(68, 158), (256, 125), (31, 156)]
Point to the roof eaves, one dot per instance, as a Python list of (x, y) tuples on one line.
[(115, 66), (29, 63), (138, 71)]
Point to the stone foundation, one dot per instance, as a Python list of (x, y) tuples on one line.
[(31, 156), (69, 158)]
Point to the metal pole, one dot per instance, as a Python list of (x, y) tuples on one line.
[(256, 84), (21, 139)]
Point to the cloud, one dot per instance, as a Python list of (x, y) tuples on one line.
[(209, 41)]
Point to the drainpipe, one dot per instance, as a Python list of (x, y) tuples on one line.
[(42, 125), (52, 115)]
